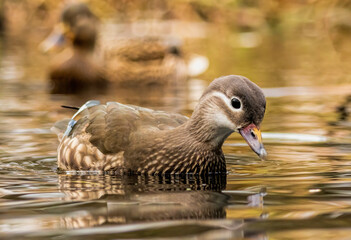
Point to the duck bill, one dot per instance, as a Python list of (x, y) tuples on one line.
[(253, 137), (54, 41)]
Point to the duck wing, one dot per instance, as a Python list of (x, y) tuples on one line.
[(114, 127)]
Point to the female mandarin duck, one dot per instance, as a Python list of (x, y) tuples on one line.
[(129, 62), (119, 138)]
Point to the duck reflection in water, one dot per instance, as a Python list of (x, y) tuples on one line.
[(193, 203), (126, 199)]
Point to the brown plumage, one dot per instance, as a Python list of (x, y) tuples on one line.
[(121, 138)]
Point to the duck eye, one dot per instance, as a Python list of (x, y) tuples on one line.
[(236, 103)]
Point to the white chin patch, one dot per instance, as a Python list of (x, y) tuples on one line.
[(222, 120)]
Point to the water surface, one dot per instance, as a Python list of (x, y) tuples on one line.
[(302, 191)]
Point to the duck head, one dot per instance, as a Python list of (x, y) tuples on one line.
[(230, 104), (77, 25)]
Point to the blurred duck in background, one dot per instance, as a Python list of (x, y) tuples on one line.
[(338, 26), (144, 62), (344, 111), (2, 19), (128, 62), (77, 69)]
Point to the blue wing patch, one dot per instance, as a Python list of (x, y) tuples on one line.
[(72, 122)]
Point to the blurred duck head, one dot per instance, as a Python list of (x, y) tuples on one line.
[(78, 26)]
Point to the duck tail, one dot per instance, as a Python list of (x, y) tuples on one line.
[(60, 127), (64, 127)]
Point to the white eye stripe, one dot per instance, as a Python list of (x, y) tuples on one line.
[(221, 117), (220, 95), (225, 99), (218, 115)]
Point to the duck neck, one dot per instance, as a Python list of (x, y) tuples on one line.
[(84, 50), (204, 128)]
